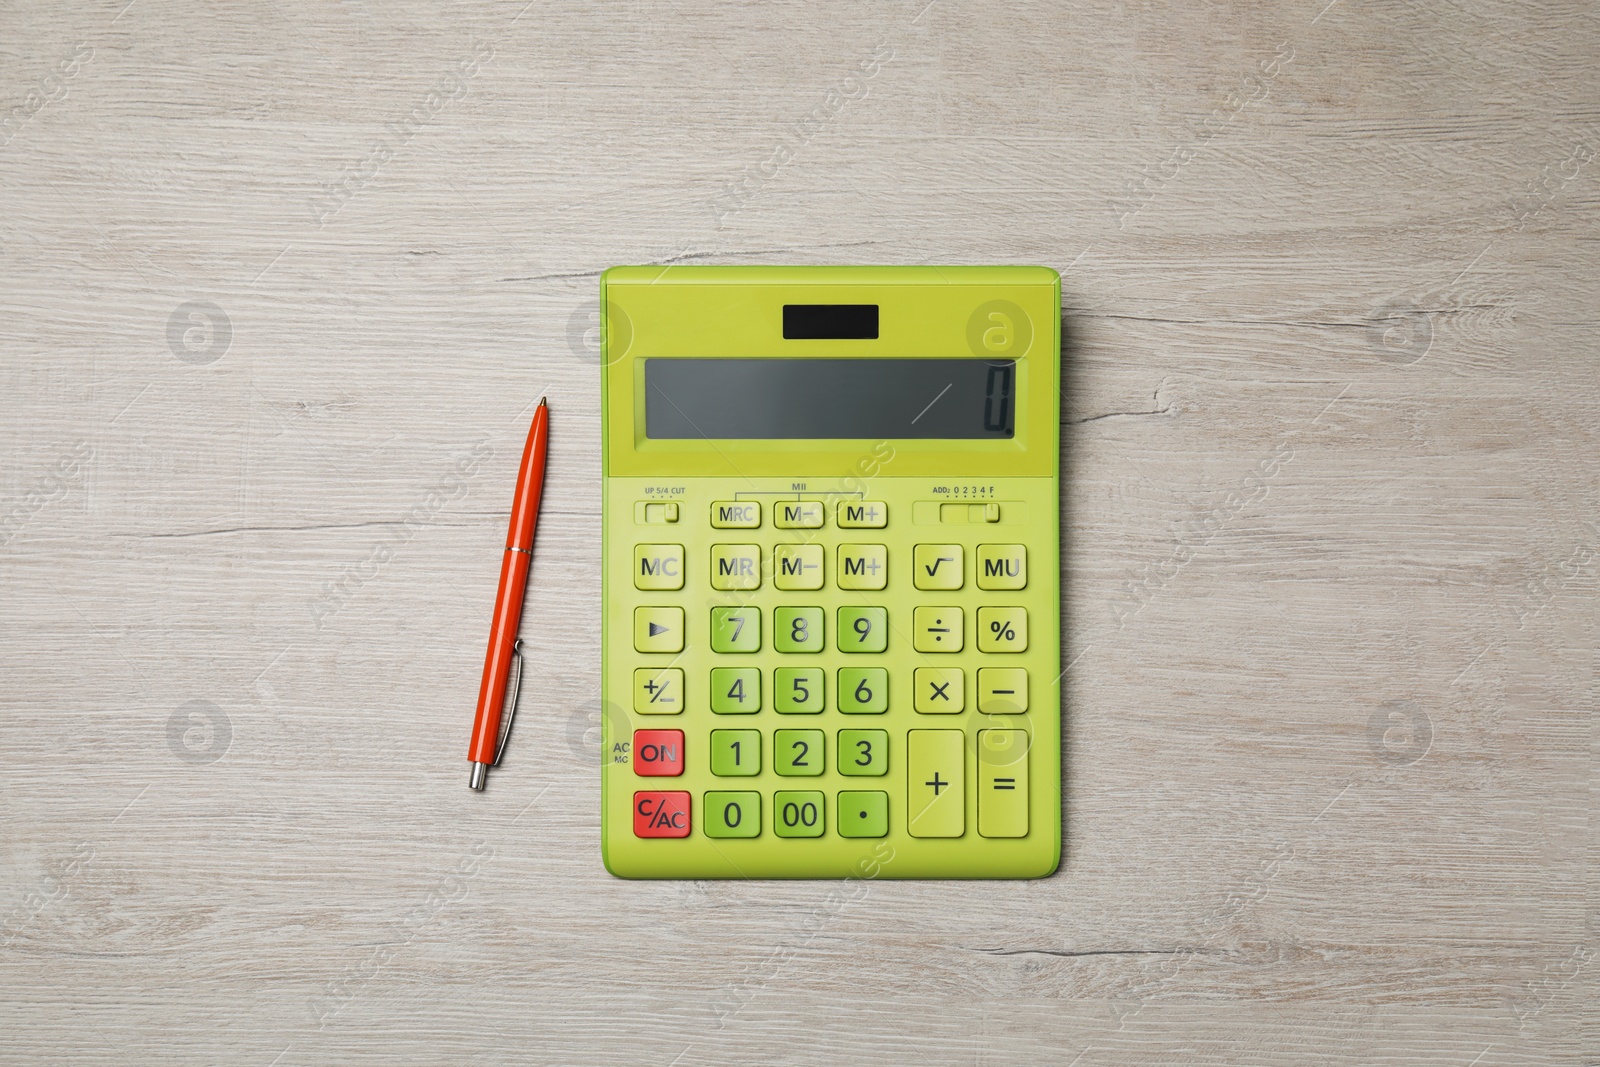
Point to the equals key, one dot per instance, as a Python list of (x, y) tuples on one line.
[(1003, 783)]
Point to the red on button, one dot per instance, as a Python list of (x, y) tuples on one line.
[(661, 814), (658, 753)]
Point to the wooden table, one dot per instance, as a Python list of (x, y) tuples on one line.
[(281, 282)]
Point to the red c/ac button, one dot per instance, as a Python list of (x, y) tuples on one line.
[(658, 753), (663, 814)]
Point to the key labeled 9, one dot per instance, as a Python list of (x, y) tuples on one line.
[(863, 629)]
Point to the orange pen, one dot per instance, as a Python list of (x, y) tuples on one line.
[(488, 740)]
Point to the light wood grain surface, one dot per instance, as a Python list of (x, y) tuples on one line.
[(280, 282)]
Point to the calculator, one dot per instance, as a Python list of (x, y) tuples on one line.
[(830, 569)]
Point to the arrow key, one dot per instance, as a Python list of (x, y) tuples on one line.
[(658, 629)]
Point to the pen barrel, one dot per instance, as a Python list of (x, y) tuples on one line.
[(497, 663)]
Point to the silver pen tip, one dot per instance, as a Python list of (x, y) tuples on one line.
[(480, 774)]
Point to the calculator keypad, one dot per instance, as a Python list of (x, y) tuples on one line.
[(937, 715)]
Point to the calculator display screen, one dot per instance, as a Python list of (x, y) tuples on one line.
[(829, 398)]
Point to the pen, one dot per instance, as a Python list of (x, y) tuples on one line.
[(488, 740)]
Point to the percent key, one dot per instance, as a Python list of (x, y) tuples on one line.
[(1002, 629)]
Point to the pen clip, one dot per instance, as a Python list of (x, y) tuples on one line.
[(516, 694)]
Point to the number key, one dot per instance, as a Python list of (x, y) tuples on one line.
[(732, 814), (797, 813), (863, 630), (863, 690), (797, 629), (797, 690), (735, 690), (863, 752), (797, 753), (735, 753), (736, 629)]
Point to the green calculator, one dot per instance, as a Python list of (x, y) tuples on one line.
[(831, 572)]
